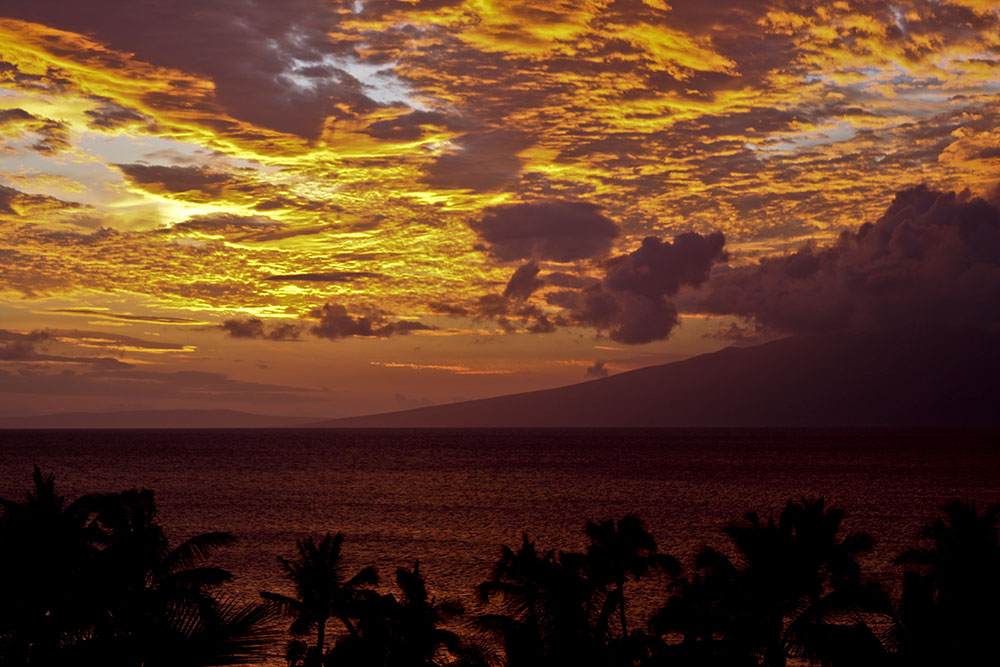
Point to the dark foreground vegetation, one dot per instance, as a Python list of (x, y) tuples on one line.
[(95, 581)]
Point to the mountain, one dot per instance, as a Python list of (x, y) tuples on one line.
[(899, 379), (153, 419)]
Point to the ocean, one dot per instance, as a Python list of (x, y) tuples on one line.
[(451, 498)]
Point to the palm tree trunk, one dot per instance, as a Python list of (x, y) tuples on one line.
[(621, 606), (320, 639)]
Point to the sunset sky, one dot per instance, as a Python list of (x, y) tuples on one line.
[(328, 208)]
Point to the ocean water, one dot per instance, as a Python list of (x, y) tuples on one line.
[(450, 498)]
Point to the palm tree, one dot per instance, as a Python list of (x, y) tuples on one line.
[(46, 553), (794, 588), (619, 551), (547, 607), (519, 580), (950, 608), (97, 582), (420, 640), (158, 597), (322, 592)]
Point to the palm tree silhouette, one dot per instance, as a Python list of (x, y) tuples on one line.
[(520, 581), (621, 550), (419, 639), (159, 598), (950, 608), (96, 582), (794, 585), (322, 591), (46, 556), (548, 607)]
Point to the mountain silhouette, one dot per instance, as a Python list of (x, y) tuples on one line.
[(944, 378)]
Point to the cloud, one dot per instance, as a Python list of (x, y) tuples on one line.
[(176, 179), (523, 282), (273, 67), (101, 339), (597, 370), (53, 134), (448, 308), (15, 202), (659, 268), (559, 231), (626, 316), (932, 259), (254, 327), (239, 228), (335, 322), (630, 302), (18, 347), (408, 127), (128, 317), (328, 277), (482, 162), (109, 115)]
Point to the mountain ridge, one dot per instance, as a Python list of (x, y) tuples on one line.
[(924, 378)]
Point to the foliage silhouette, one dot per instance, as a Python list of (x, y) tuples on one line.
[(950, 608), (618, 551), (547, 607), (96, 582), (407, 630), (322, 592), (794, 589)]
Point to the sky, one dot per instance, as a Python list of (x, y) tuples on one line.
[(329, 208)]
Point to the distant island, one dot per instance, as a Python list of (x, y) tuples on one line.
[(159, 419)]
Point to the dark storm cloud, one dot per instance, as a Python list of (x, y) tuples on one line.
[(265, 58), (159, 178), (560, 231), (327, 277), (659, 268), (630, 302), (560, 279), (336, 322), (254, 327), (932, 259), (523, 282), (627, 317)]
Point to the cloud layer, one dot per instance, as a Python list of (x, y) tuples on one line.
[(932, 259)]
